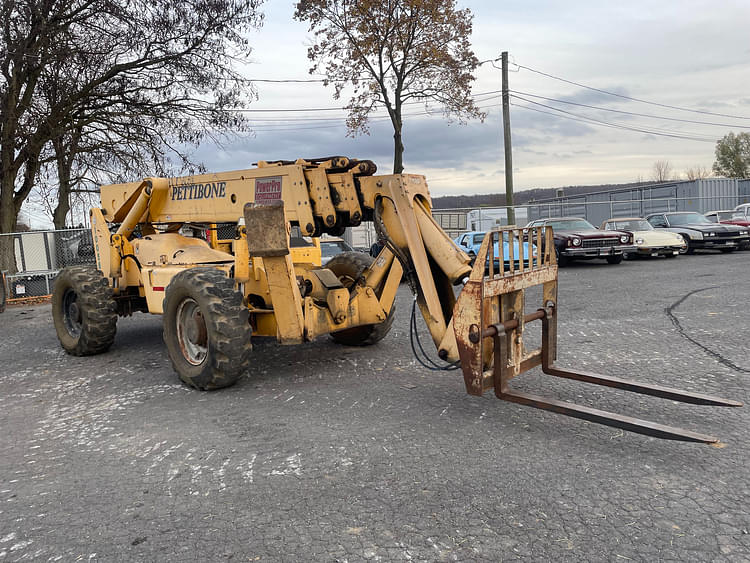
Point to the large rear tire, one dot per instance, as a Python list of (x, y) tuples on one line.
[(349, 267), (84, 311), (206, 329)]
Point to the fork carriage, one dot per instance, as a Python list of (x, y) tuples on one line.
[(490, 320)]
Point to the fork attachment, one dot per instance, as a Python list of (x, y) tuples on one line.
[(489, 321)]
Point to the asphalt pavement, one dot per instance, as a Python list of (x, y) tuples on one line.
[(328, 453)]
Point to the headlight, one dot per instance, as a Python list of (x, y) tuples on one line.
[(624, 239), (743, 233), (695, 236), (639, 241), (711, 234), (576, 241)]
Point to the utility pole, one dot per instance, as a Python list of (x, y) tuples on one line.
[(506, 142)]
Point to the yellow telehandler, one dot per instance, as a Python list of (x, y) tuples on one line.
[(258, 271)]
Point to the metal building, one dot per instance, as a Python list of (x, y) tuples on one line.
[(691, 195)]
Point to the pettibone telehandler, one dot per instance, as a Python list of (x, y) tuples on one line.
[(265, 278)]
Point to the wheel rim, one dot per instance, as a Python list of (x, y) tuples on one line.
[(191, 332), (72, 313)]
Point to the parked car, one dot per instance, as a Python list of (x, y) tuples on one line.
[(699, 232), (739, 216), (720, 216), (577, 239), (648, 241), (330, 247), (86, 248), (471, 241)]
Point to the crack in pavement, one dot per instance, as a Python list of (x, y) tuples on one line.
[(714, 354)]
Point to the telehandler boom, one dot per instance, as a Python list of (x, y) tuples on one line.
[(265, 278)]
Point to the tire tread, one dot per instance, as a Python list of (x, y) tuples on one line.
[(98, 308), (229, 327)]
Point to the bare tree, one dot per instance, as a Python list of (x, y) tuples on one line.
[(103, 56), (697, 173), (661, 171), (391, 53)]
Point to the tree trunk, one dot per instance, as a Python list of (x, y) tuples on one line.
[(398, 150), (8, 218), (64, 159)]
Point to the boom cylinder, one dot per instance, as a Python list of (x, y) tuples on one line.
[(451, 260), (141, 204)]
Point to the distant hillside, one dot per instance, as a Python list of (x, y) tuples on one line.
[(522, 197)]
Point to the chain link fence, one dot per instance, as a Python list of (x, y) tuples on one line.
[(40, 255)]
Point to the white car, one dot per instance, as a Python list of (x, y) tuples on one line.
[(648, 241)]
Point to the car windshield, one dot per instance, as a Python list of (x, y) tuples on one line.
[(331, 248), (688, 219), (633, 225), (570, 224), (725, 215)]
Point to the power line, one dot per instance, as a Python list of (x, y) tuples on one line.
[(272, 81), (630, 112), (299, 125), (629, 97), (603, 124), (296, 110), (307, 119), (641, 129), (592, 121)]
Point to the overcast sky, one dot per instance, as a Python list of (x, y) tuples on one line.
[(687, 53), (690, 54)]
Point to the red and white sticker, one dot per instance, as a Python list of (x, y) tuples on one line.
[(268, 189)]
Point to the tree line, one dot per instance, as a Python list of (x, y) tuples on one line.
[(102, 91), (94, 91)]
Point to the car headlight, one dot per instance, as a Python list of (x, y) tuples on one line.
[(695, 236), (711, 234), (743, 233), (576, 241), (624, 239), (639, 241)]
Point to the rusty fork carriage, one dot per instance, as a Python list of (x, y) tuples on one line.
[(489, 322)]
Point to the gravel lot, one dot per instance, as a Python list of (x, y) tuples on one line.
[(326, 453)]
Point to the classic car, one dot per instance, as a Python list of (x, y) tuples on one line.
[(577, 239), (699, 232), (648, 241), (726, 216), (739, 216), (331, 246), (471, 241)]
